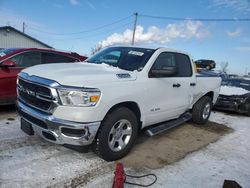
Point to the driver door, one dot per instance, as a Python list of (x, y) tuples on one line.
[(168, 96)]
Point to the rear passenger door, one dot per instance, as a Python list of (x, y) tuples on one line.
[(56, 58), (186, 78), (169, 97)]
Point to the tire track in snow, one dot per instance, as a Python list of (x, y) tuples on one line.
[(82, 179)]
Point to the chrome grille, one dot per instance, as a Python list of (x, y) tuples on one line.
[(35, 95)]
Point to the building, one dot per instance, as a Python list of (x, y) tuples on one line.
[(13, 38)]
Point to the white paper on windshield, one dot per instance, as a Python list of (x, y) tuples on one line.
[(136, 53), (2, 54)]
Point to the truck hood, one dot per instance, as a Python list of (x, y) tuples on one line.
[(81, 74)]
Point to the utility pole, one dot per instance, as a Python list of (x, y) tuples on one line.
[(246, 71), (23, 27), (133, 38)]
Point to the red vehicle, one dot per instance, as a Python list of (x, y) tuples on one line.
[(13, 60)]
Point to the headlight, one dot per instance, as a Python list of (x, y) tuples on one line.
[(241, 99), (81, 97)]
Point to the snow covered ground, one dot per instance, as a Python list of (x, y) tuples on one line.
[(32, 162), (228, 158)]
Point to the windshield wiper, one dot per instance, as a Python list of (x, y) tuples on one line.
[(102, 62), (108, 64)]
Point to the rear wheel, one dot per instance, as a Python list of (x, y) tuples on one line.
[(117, 134), (201, 110)]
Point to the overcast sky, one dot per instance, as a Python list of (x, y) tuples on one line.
[(80, 25)]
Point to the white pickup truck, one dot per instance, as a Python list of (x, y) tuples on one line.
[(105, 101)]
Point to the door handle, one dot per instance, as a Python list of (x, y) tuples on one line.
[(176, 85), (192, 84)]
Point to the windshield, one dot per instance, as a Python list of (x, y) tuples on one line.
[(127, 58), (6, 51), (245, 84)]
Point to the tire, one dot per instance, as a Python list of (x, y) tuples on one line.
[(201, 110), (208, 67), (111, 143)]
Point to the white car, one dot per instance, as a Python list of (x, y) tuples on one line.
[(107, 100)]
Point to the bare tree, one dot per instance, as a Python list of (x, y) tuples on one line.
[(224, 67), (97, 48)]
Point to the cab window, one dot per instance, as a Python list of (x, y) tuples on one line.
[(165, 59), (184, 67), (173, 59)]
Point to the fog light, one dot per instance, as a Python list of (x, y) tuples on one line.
[(73, 132)]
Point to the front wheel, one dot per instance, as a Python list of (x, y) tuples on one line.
[(201, 110), (117, 134)]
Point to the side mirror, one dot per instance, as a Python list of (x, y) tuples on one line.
[(164, 72), (8, 63)]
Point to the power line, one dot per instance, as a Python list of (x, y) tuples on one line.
[(135, 25), (87, 36), (197, 19), (85, 31)]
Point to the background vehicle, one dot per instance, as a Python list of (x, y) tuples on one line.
[(203, 63), (106, 101), (13, 60), (234, 96), (212, 73)]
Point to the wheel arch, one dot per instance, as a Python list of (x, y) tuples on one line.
[(133, 106), (210, 94)]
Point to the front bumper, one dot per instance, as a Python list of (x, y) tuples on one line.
[(57, 130), (227, 105), (231, 104)]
